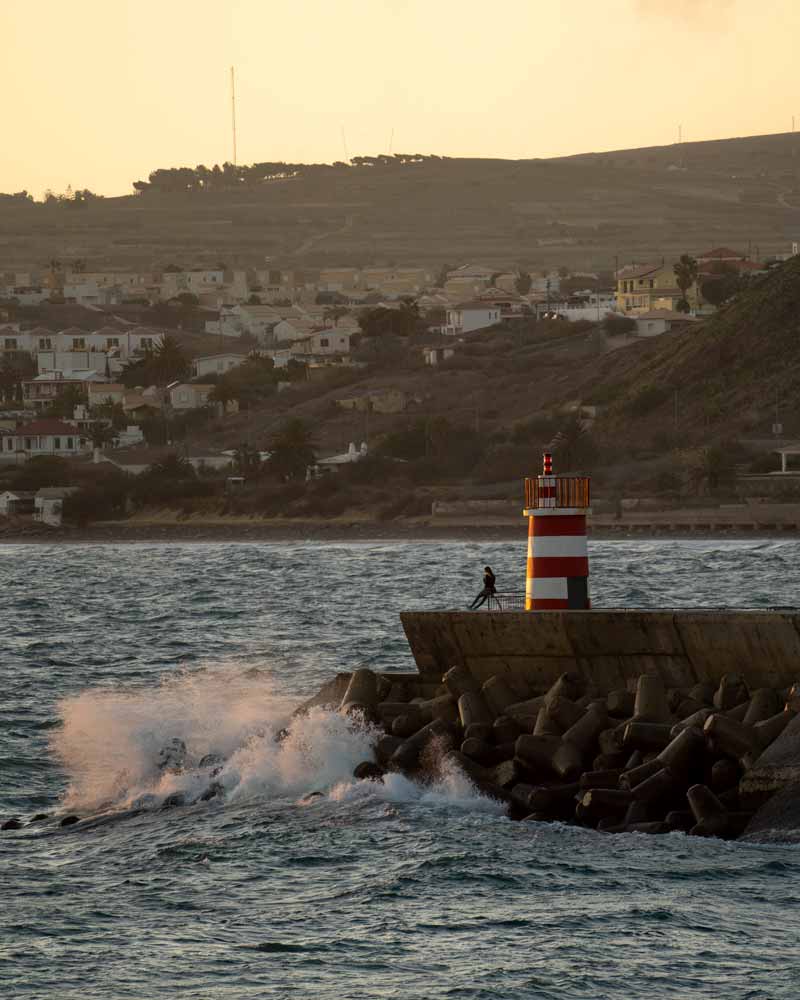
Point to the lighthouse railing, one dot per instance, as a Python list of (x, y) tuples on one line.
[(570, 491)]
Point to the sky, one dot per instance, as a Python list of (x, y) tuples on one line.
[(97, 93)]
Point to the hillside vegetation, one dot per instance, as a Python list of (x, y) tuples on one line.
[(582, 211), (728, 373)]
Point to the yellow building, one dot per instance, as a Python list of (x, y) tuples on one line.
[(644, 287)]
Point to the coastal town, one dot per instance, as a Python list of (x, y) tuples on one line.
[(113, 371)]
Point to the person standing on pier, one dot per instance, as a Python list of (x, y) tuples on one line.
[(488, 591)]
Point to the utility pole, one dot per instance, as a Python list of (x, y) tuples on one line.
[(233, 112)]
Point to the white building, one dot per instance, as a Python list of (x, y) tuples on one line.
[(470, 316), (657, 321), (45, 389), (43, 437), (49, 504), (216, 364), (323, 343), (189, 396)]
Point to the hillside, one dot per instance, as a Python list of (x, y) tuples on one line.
[(581, 211), (722, 377)]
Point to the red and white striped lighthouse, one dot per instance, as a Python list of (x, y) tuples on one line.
[(558, 560)]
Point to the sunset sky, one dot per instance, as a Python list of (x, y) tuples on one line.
[(97, 93)]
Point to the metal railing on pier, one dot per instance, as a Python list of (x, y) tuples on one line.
[(506, 602)]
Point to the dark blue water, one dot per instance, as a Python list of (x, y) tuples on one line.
[(109, 651)]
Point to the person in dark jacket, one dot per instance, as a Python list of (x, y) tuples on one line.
[(488, 589)]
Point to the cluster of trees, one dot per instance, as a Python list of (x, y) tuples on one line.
[(718, 287), (228, 176), (405, 321), (18, 196), (253, 381)]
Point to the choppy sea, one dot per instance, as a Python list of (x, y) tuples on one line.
[(366, 891)]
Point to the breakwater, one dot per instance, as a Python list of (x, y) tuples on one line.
[(706, 759)]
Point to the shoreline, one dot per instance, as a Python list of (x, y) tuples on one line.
[(124, 532)]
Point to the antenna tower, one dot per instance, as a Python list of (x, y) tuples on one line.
[(233, 113)]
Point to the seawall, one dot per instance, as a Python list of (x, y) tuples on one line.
[(609, 648)]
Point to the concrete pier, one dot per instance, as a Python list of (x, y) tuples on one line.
[(609, 648)]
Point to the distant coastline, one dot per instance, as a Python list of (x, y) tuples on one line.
[(120, 532)]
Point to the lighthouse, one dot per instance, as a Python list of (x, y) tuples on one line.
[(557, 575)]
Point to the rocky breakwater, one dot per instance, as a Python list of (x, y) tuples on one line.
[(709, 760)]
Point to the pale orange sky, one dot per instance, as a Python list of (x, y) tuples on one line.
[(97, 93)]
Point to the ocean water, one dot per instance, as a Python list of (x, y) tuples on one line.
[(364, 891)]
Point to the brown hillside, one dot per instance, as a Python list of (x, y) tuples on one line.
[(729, 372), (581, 211)]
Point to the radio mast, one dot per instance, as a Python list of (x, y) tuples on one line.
[(233, 113)]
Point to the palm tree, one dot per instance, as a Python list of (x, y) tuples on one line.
[(169, 360), (685, 276), (292, 450)]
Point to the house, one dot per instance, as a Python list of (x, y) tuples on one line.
[(644, 287), (44, 437), (48, 505), (338, 279), (16, 502), (436, 355), (45, 389), (470, 316), (216, 364), (333, 462), (378, 401), (322, 343), (257, 321), (656, 321), (100, 393), (189, 395)]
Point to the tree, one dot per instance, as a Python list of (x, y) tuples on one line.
[(335, 313), (64, 405), (14, 369), (292, 450), (171, 467), (248, 461), (685, 276), (719, 288), (572, 444), (169, 361), (523, 283)]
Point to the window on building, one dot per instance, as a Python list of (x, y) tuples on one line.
[(112, 341), (10, 343), (45, 344), (27, 444), (323, 342), (69, 444), (78, 344), (146, 343), (57, 444), (10, 444)]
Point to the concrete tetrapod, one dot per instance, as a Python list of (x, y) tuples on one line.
[(650, 704), (406, 756), (459, 681), (362, 691)]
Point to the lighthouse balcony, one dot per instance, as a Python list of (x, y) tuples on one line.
[(557, 492)]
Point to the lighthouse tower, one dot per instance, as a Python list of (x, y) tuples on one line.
[(557, 574)]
